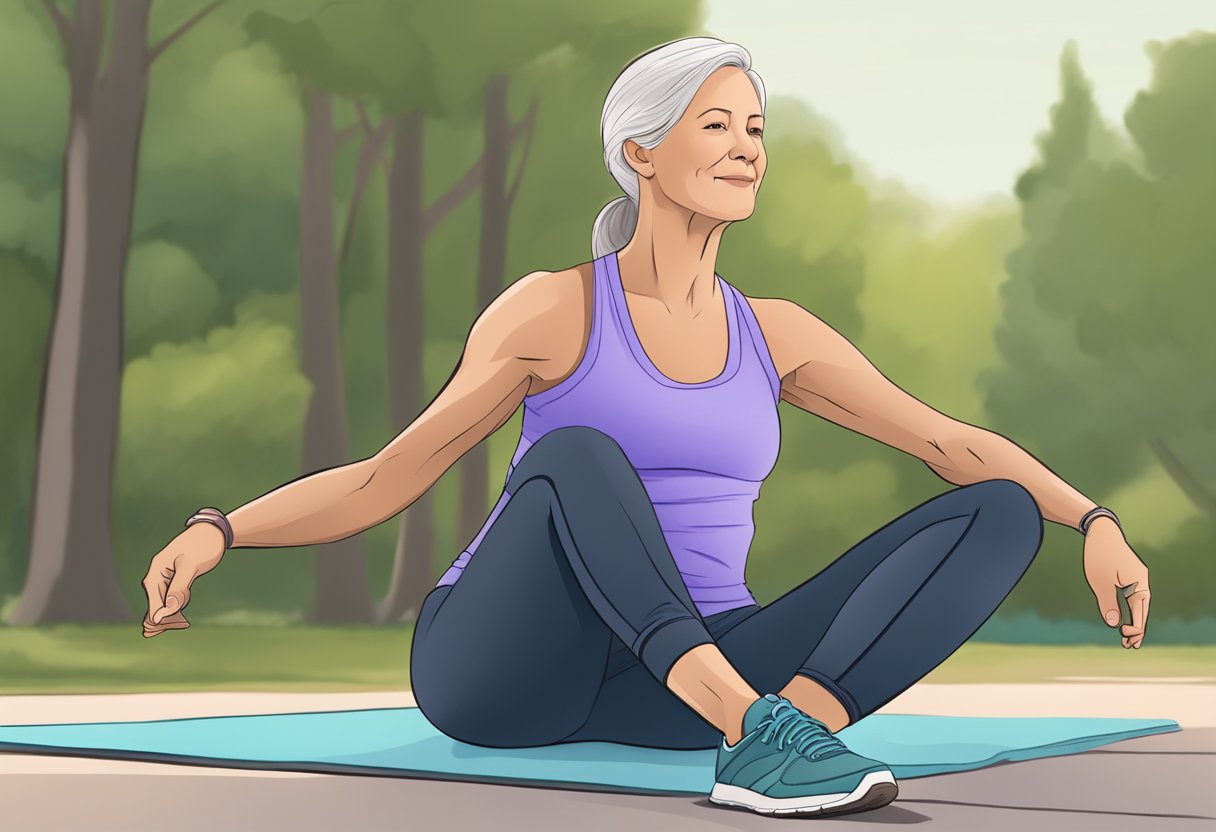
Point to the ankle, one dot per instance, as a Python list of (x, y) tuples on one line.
[(813, 699), (733, 737), (733, 731)]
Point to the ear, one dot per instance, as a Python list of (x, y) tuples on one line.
[(638, 158)]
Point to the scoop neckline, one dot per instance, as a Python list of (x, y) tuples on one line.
[(639, 352)]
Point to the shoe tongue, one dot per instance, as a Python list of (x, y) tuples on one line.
[(759, 710)]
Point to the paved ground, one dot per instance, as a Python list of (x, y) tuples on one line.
[(1162, 783)]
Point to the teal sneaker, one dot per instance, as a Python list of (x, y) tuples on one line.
[(807, 771)]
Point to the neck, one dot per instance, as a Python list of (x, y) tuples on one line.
[(672, 255)]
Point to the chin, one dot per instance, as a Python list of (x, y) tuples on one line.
[(736, 214)]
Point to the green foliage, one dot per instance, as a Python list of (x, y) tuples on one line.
[(1106, 325), (168, 297), (213, 421), (1173, 121), (29, 51)]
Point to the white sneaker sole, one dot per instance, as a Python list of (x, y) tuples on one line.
[(876, 789)]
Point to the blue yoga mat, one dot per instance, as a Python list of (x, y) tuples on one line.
[(401, 742)]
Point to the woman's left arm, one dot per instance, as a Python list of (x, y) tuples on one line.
[(823, 373)]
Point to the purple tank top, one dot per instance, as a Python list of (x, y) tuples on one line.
[(701, 450)]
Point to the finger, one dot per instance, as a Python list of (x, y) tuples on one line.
[(1137, 603), (154, 586), (174, 622), (176, 625), (1142, 599), (1140, 603)]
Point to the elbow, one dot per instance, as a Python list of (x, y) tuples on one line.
[(960, 458)]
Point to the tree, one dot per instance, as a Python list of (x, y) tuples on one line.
[(71, 573), (1104, 313), (1105, 332)]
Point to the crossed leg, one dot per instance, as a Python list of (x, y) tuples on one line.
[(865, 628)]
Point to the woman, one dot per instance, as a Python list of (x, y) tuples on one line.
[(604, 599)]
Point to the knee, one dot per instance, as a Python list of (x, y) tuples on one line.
[(493, 720), (463, 720), (579, 441), (578, 449), (1013, 510)]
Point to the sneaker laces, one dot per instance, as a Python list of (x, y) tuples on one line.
[(810, 737)]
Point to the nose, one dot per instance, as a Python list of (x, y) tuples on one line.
[(746, 149)]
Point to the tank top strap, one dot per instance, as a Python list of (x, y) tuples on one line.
[(600, 318), (756, 336)]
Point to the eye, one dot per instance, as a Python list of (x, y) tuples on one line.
[(756, 131)]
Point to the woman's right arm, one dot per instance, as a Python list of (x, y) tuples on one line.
[(523, 337), (490, 381)]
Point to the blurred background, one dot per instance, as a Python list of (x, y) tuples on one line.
[(244, 242)]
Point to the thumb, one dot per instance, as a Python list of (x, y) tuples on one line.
[(1108, 605), (167, 609), (1102, 585), (174, 600)]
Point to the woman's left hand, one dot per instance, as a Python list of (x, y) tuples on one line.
[(1111, 565)]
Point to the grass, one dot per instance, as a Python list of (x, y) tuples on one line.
[(118, 659)]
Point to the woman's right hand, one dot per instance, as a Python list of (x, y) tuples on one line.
[(195, 551)]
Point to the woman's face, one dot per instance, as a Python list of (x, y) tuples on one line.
[(719, 135)]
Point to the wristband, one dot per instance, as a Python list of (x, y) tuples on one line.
[(1093, 514), (216, 518)]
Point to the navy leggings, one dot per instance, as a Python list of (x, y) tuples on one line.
[(568, 618)]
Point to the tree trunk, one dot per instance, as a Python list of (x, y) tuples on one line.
[(71, 574), (413, 557), (341, 593), (474, 504)]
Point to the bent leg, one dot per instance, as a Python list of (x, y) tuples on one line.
[(513, 653), (897, 604)]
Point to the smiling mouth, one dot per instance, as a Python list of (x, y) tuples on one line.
[(737, 181)]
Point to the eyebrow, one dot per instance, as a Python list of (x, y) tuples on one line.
[(729, 113)]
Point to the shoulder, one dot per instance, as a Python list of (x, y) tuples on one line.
[(542, 318), (785, 326)]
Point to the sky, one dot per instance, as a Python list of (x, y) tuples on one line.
[(947, 96)]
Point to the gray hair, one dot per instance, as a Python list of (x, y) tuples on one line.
[(645, 102)]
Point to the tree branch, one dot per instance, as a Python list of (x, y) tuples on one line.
[(61, 22), (528, 123), (369, 155), (156, 51), (458, 193), (1195, 491)]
